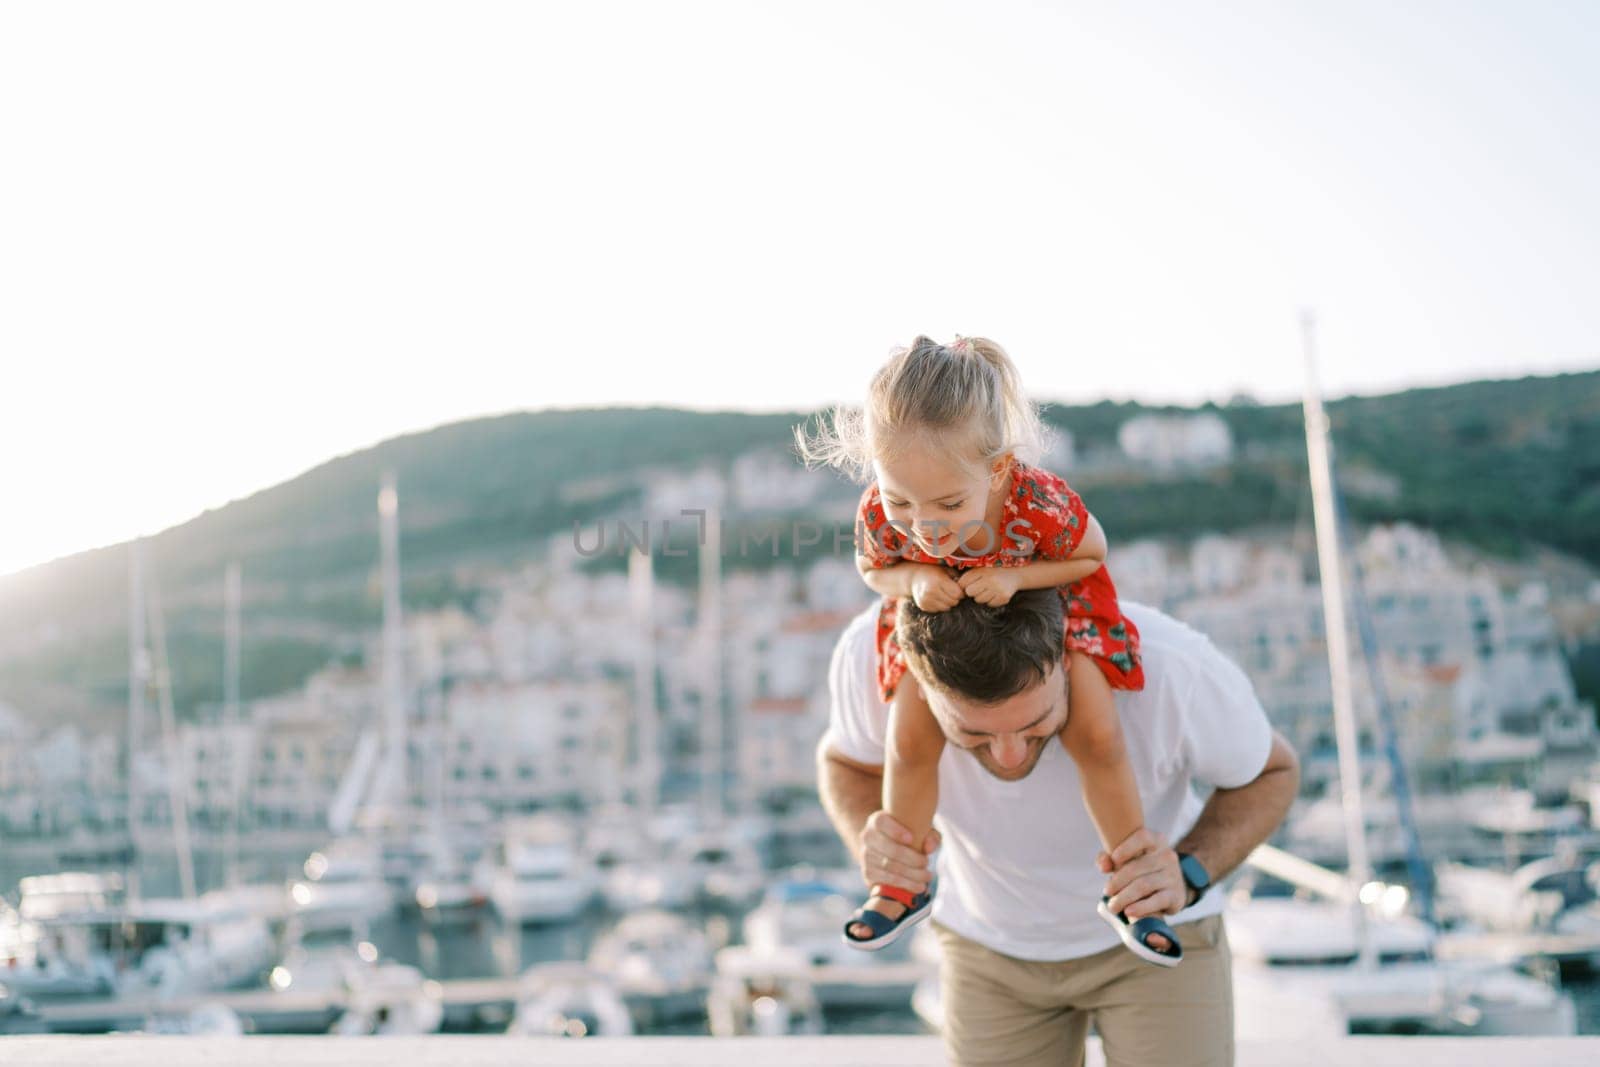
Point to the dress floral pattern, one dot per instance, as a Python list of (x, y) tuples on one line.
[(1043, 519)]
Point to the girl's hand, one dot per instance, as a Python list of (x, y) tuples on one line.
[(992, 585), (933, 589)]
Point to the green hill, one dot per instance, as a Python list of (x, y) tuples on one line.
[(1502, 464)]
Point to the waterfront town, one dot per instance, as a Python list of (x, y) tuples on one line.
[(606, 764)]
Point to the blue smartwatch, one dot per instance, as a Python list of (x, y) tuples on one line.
[(1195, 876)]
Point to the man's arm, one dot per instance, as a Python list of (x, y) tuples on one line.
[(1235, 821), (1145, 879), (852, 795)]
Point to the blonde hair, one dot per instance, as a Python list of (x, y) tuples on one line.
[(964, 398)]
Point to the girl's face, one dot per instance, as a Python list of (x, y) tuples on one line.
[(941, 503)]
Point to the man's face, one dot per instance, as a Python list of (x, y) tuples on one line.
[(1009, 737)]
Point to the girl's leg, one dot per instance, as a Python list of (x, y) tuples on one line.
[(1093, 737), (910, 775)]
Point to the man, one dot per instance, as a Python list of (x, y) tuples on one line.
[(1028, 964)]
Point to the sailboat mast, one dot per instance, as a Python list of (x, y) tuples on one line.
[(393, 776), (1331, 570), (436, 721), (138, 686), (232, 595), (711, 726), (177, 772), (647, 766)]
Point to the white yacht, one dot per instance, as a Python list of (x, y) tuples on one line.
[(632, 872), (211, 943), (658, 961), (452, 885), (1315, 830), (268, 900), (762, 994), (569, 1000), (18, 939), (1527, 898), (77, 935), (392, 999), (379, 996), (802, 917), (1510, 812), (806, 913), (344, 888), (541, 876), (722, 865), (50, 946), (1300, 932), (1309, 950)]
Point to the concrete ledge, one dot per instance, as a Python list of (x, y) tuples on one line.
[(137, 1050)]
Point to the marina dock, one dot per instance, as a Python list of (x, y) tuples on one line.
[(466, 1051), (467, 1001)]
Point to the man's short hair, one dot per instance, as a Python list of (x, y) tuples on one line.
[(984, 654)]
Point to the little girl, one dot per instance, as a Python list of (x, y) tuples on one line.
[(953, 512)]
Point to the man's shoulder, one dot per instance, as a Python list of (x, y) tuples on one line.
[(1195, 692), (855, 652), (1175, 654), (863, 627), (1156, 627)]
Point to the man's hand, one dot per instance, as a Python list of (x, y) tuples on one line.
[(1145, 877), (887, 857), (933, 589), (991, 585)]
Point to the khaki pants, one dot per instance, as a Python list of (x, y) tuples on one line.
[(1002, 1010)]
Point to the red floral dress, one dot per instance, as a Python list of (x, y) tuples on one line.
[(1043, 518)]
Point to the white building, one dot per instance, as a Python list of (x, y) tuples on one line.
[(1142, 571), (303, 749), (13, 751), (1217, 564), (1472, 674), (769, 480), (519, 746), (218, 758), (1167, 442), (783, 710)]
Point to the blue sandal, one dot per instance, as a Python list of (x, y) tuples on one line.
[(886, 931), (1136, 935)]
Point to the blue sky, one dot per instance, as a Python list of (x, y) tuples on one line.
[(236, 241)]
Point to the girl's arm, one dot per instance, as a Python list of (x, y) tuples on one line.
[(893, 580), (1088, 557)]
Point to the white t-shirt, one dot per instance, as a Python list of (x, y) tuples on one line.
[(1016, 869)]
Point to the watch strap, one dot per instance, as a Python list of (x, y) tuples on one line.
[(1199, 891)]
